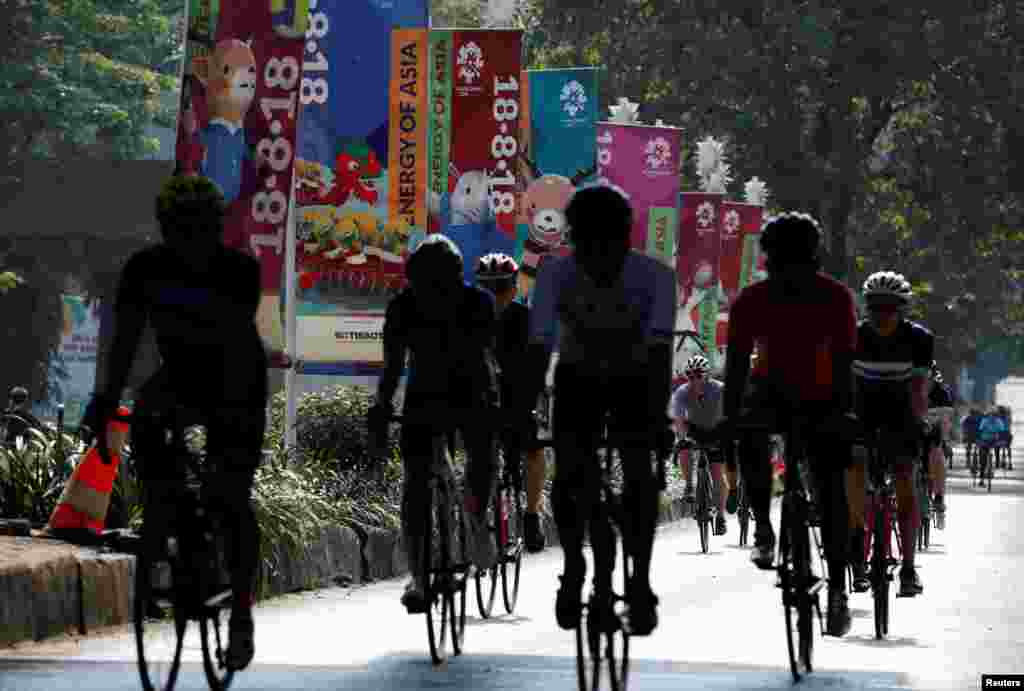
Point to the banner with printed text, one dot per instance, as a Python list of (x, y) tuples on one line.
[(701, 293), (72, 371), (362, 175), (558, 124), (738, 223), (474, 134), (644, 162), (752, 268), (238, 125)]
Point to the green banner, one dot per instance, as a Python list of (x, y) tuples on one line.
[(439, 129), (662, 222)]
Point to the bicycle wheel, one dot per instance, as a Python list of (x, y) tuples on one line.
[(435, 563), (704, 509), (925, 504), (588, 654), (743, 514), (803, 579), (786, 584), (160, 619), (487, 580), (512, 557), (213, 626), (459, 577), (617, 641), (880, 574)]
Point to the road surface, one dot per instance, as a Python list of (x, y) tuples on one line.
[(722, 625)]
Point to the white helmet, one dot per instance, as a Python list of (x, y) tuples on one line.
[(888, 284), (699, 365)]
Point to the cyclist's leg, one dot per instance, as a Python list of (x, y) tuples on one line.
[(755, 457), (937, 474), (481, 479), (906, 508), (235, 441), (830, 460), (633, 414), (578, 410), (416, 444), (536, 467), (856, 493)]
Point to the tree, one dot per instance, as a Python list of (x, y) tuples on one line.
[(802, 90), (80, 79)]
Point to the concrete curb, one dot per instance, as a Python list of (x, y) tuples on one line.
[(67, 589)]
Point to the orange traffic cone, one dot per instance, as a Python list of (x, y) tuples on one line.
[(86, 496)]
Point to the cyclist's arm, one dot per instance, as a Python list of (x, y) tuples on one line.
[(659, 337), (680, 412), (920, 382), (129, 320), (844, 348), (395, 346), (543, 324), (737, 358)]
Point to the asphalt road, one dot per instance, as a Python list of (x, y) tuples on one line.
[(722, 627)]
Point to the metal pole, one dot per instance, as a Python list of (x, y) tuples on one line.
[(291, 332)]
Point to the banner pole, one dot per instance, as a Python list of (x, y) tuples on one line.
[(290, 320)]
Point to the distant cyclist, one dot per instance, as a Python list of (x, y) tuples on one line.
[(804, 326), (611, 311), (17, 419), (498, 274), (200, 299), (969, 430), (992, 429), (940, 404), (894, 360), (696, 411), (447, 328)]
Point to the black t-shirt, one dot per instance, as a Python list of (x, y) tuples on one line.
[(452, 361), (884, 367), (204, 322), (513, 340)]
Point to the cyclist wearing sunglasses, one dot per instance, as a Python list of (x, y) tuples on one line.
[(892, 368)]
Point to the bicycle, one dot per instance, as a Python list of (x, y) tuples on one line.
[(444, 565), (985, 466), (181, 573), (703, 508), (880, 515), (797, 577), (744, 514), (505, 515)]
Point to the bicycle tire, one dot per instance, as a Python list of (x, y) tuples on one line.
[(435, 562), (588, 656), (703, 510), (786, 585), (803, 578), (158, 662), (512, 559), (880, 575), (743, 514), (618, 666), (211, 627), (925, 510), (459, 581), (487, 579)]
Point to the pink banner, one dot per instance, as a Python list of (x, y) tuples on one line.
[(644, 162), (738, 221), (697, 270), (238, 125)]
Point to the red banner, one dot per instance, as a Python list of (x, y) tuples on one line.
[(485, 115), (697, 270), (238, 125), (739, 221)]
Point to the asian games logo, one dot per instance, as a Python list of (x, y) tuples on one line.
[(470, 62), (574, 98), (731, 223), (659, 153), (705, 217)]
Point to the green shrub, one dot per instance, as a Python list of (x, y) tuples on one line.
[(33, 472)]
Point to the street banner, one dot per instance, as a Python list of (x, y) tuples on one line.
[(558, 125), (481, 132), (238, 125), (72, 371), (752, 268), (697, 270), (738, 222), (361, 176), (643, 161)]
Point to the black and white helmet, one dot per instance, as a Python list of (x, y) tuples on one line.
[(496, 267), (697, 365), (888, 285)]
